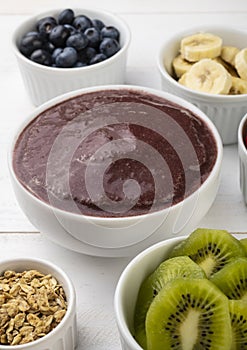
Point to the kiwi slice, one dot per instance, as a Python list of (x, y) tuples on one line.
[(232, 279), (168, 270), (211, 249), (189, 315), (243, 241), (238, 316)]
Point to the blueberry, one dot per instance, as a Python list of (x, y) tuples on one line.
[(90, 52), (33, 33), (99, 57), (86, 54), (67, 58), (79, 64), (82, 22), (93, 36), (66, 16), (109, 47), (59, 35), (30, 42), (98, 24), (71, 29), (46, 24), (48, 46), (42, 57), (82, 56), (55, 53), (78, 41), (110, 32)]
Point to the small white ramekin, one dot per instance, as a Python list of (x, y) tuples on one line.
[(129, 284), (43, 82), (225, 111), (242, 154), (64, 336)]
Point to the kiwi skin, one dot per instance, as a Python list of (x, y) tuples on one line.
[(189, 314), (211, 249), (238, 316), (168, 270)]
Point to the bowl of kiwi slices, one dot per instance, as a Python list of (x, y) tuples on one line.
[(185, 293), (206, 65)]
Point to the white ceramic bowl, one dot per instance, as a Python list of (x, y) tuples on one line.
[(64, 336), (129, 284), (242, 153), (225, 111), (43, 82), (123, 236)]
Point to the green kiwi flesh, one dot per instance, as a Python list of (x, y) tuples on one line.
[(238, 316), (210, 249), (189, 315), (232, 279), (168, 270), (243, 241)]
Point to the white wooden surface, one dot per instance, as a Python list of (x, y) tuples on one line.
[(95, 278)]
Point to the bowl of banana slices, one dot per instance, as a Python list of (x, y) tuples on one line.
[(207, 66)]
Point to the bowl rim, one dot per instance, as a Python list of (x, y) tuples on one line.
[(176, 37), (57, 70), (241, 144), (70, 296), (160, 93), (118, 295)]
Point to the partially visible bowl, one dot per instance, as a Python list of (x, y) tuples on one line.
[(43, 82), (225, 111), (123, 235), (129, 284), (242, 154), (64, 335)]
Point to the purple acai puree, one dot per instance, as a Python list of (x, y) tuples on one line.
[(114, 153)]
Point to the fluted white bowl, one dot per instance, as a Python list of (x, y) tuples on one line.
[(64, 336), (43, 83), (225, 111)]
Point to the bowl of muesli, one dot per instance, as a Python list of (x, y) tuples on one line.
[(37, 306)]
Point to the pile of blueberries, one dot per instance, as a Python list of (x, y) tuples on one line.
[(70, 41)]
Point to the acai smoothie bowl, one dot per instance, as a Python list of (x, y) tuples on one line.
[(110, 170)]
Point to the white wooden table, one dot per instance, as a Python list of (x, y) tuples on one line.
[(95, 278)]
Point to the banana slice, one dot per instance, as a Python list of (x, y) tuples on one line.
[(230, 69), (239, 86), (181, 66), (202, 45), (228, 54), (207, 76), (241, 63), (182, 80)]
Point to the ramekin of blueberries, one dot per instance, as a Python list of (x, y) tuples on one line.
[(63, 39), (70, 41)]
